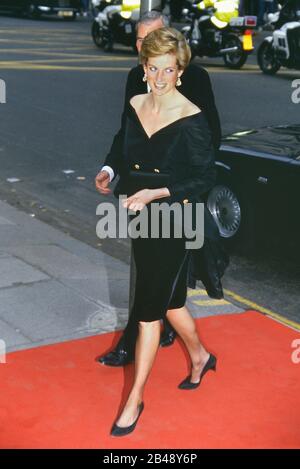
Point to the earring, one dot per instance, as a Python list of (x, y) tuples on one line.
[(145, 77), (178, 82)]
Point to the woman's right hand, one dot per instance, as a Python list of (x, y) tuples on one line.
[(102, 181)]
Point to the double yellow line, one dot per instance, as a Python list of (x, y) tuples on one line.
[(261, 309), (230, 295)]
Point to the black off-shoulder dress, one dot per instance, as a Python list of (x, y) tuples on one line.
[(179, 156)]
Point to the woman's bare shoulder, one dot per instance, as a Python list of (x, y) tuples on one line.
[(184, 106), (189, 108), (137, 100)]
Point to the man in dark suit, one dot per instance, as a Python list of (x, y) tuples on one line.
[(197, 88)]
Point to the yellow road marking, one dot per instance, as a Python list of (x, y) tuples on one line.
[(211, 302), (42, 49), (79, 40), (249, 68), (210, 69), (246, 71), (258, 71), (45, 61), (26, 41), (45, 33), (29, 66), (39, 31), (247, 303), (262, 309), (57, 48), (108, 58), (198, 291)]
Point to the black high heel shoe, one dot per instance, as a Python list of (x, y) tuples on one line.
[(122, 431), (209, 365)]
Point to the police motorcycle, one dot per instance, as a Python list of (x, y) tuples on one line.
[(99, 5), (283, 47), (216, 30), (116, 24), (101, 9)]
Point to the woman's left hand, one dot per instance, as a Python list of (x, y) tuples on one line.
[(138, 200)]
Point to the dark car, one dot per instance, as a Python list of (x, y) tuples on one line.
[(34, 8), (257, 196)]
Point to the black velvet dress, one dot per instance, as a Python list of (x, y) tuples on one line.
[(180, 157)]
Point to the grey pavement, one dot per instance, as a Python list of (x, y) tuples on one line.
[(55, 288)]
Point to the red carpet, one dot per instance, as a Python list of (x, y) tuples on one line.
[(57, 396)]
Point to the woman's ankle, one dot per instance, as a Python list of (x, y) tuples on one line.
[(135, 398), (200, 360)]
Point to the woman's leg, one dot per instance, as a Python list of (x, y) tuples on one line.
[(185, 326), (146, 348)]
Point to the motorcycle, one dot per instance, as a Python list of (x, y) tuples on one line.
[(116, 23), (233, 43), (101, 9), (99, 5), (282, 49)]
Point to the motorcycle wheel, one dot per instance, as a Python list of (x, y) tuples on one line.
[(238, 58), (266, 60), (98, 35)]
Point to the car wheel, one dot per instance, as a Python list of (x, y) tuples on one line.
[(225, 208), (234, 217)]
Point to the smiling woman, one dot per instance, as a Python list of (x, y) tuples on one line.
[(167, 161)]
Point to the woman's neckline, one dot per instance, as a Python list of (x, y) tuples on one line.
[(149, 137)]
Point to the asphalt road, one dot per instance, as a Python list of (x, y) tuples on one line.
[(63, 104)]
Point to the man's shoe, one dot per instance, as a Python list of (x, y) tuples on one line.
[(167, 338), (118, 357)]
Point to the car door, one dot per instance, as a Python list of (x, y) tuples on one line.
[(294, 202), (276, 194)]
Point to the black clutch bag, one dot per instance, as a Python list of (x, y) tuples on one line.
[(148, 179), (136, 180)]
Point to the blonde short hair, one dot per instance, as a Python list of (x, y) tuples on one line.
[(166, 41)]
